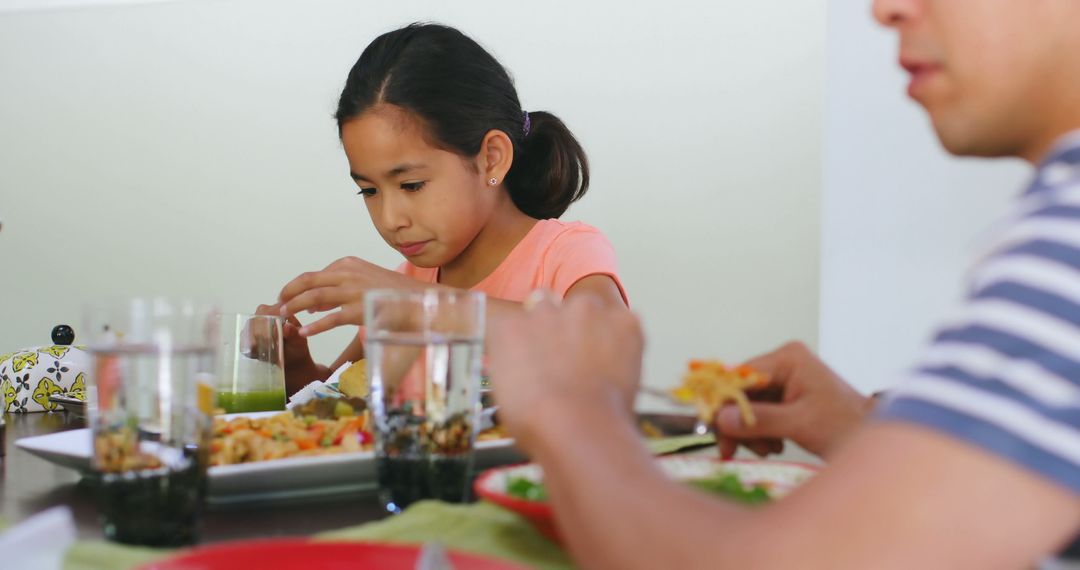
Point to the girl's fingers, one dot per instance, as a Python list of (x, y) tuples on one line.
[(308, 281), (290, 330), (349, 315), (317, 300)]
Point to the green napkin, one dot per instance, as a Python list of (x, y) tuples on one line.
[(480, 528), (666, 445), (100, 555)]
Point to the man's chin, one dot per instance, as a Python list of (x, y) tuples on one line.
[(966, 142)]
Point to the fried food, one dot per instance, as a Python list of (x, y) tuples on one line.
[(708, 384)]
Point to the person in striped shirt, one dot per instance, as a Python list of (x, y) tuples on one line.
[(974, 462)]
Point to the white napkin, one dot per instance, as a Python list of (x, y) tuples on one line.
[(433, 557), (319, 389), (40, 541)]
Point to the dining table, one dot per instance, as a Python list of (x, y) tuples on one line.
[(29, 485)]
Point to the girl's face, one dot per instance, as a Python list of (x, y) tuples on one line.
[(426, 202)]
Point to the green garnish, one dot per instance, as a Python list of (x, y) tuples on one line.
[(523, 488), (729, 485), (341, 409)]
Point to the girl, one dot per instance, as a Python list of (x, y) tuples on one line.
[(455, 176)]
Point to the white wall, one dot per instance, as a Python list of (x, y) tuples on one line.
[(900, 218), (25, 5), (187, 148)]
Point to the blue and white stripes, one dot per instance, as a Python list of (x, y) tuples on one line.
[(1004, 372)]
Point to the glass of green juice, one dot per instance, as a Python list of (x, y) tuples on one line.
[(252, 370)]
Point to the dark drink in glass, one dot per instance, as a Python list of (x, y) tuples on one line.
[(424, 354)]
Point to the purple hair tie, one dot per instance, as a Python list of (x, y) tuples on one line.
[(528, 123)]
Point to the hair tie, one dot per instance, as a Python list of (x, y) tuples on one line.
[(528, 123)]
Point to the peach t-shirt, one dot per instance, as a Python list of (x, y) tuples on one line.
[(554, 255)]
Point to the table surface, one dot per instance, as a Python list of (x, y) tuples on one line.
[(29, 485)]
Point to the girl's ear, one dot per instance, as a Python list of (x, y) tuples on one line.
[(496, 156)]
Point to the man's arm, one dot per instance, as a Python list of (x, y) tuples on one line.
[(894, 495), (897, 496)]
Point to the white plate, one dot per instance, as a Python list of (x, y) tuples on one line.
[(781, 476), (278, 479)]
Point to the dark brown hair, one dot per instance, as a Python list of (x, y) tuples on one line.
[(460, 92)]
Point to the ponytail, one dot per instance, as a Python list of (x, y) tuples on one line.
[(550, 171)]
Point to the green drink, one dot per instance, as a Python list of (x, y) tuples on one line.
[(265, 401), (252, 370)]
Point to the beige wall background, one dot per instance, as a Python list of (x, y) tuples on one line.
[(187, 148)]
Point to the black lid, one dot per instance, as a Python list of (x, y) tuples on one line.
[(63, 335)]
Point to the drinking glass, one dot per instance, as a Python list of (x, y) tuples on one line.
[(424, 351), (151, 393), (252, 377)]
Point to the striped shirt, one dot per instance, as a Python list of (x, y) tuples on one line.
[(1004, 373)]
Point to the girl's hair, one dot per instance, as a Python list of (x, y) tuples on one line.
[(459, 93)]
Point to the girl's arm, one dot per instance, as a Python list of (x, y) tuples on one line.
[(342, 286), (600, 287)]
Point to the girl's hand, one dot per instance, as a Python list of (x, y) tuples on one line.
[(342, 286), (300, 367)]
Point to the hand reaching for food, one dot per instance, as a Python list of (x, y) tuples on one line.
[(708, 384), (803, 401)]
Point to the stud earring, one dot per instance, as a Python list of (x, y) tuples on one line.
[(493, 181)]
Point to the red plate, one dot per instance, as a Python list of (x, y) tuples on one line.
[(303, 555), (781, 476)]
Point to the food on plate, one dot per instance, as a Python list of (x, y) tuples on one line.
[(707, 384), (729, 485), (497, 432), (319, 427), (650, 430), (332, 408), (323, 426), (244, 440), (525, 488), (117, 451), (353, 381), (724, 484)]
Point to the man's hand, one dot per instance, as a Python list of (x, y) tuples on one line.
[(553, 361), (805, 402)]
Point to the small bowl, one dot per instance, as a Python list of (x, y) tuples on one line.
[(780, 476), (73, 406)]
